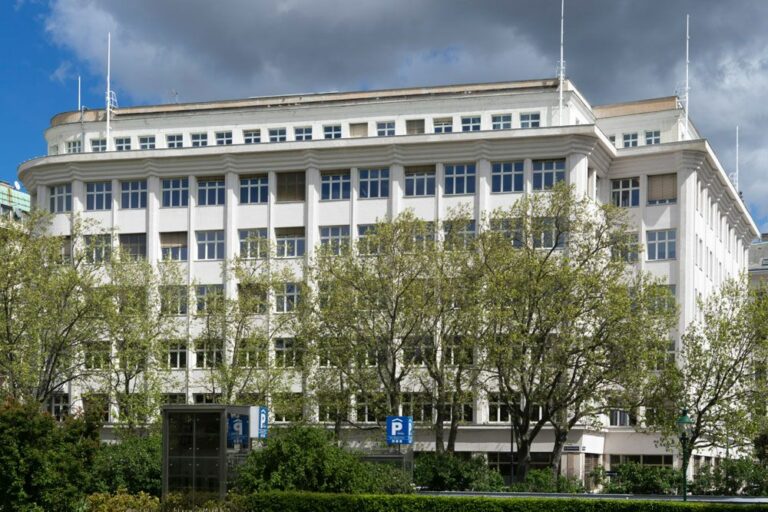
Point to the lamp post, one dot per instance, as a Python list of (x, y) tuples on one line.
[(684, 426)]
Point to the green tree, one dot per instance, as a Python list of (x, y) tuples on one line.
[(718, 375), (569, 322), (134, 465), (46, 312)]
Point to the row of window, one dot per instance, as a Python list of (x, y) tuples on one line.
[(459, 179), (662, 189), (630, 140), (303, 133)]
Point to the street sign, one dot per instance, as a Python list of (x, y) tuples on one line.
[(259, 422), (399, 429)]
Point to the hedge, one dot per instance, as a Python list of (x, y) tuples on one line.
[(315, 502)]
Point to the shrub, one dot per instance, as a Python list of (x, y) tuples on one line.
[(543, 480), (307, 502), (732, 477), (134, 464), (447, 472), (633, 478), (122, 502), (307, 459), (44, 462)]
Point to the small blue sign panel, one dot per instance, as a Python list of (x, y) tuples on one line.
[(237, 430), (261, 433), (399, 429)]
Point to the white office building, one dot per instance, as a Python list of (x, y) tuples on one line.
[(189, 179)]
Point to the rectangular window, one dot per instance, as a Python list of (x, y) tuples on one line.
[(289, 242), (58, 405), (208, 296), (205, 398), (147, 142), (335, 185), (420, 181), (174, 300), (199, 140), (548, 172), (134, 245), (98, 145), (177, 355), (364, 243), (507, 177), (254, 243), (277, 135), (60, 198), (210, 245), (621, 418), (501, 122), (385, 129), (630, 140), (374, 183), (175, 141), (335, 237), (174, 398), (530, 120), (287, 353), (418, 405), (470, 124), (96, 405), (210, 191), (252, 136), (122, 144), (74, 146), (133, 194), (287, 297), (291, 186), (662, 189), (625, 192), (661, 244), (223, 138), (653, 137), (498, 410), (98, 248), (253, 299), (332, 131), (367, 408), (248, 355), (358, 129), (547, 234), (173, 246), (443, 125), (175, 192), (97, 355), (414, 126), (459, 179), (208, 354), (303, 133), (254, 189), (98, 195), (458, 235)]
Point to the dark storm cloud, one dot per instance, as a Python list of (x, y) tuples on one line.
[(616, 50)]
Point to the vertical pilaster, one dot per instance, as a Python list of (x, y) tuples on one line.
[(230, 229), (439, 190), (577, 173), (686, 243), (482, 196), (528, 175), (153, 225), (310, 211), (396, 187)]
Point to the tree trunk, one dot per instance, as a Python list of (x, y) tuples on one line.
[(440, 430), (561, 437), (454, 430), (523, 456)]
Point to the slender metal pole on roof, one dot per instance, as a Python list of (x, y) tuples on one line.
[(79, 103), (736, 181), (109, 89), (561, 70), (687, 62)]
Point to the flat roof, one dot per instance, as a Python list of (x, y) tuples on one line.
[(636, 107), (310, 99)]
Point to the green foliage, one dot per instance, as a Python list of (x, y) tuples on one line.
[(121, 501), (44, 463), (134, 465), (447, 472), (633, 478), (543, 480), (732, 477), (305, 502), (307, 459)]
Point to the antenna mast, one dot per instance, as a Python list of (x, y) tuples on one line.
[(687, 62), (111, 97), (736, 181), (561, 67), (79, 103)]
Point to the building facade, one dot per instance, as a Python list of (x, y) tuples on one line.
[(14, 203), (189, 180)]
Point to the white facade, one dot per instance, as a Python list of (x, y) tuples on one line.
[(673, 186)]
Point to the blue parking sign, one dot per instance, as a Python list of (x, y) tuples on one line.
[(399, 429), (263, 423)]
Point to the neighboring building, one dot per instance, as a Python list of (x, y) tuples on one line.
[(758, 261), (13, 202), (261, 163)]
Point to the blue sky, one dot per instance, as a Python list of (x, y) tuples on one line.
[(616, 50)]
